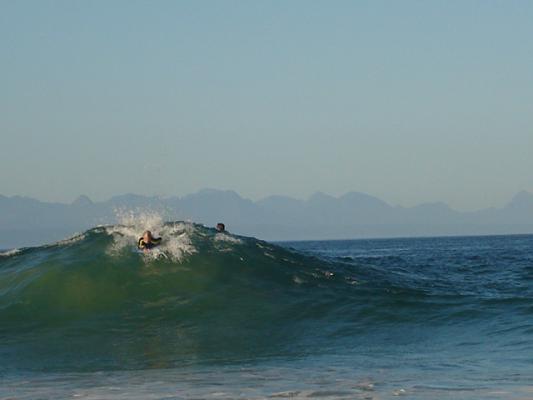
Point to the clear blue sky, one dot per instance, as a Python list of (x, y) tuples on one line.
[(411, 101)]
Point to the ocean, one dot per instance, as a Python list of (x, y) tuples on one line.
[(211, 315)]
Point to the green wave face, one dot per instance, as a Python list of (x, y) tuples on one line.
[(94, 302)]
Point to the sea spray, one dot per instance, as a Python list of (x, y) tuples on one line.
[(177, 236)]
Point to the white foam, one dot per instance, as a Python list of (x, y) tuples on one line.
[(176, 243), (73, 239), (148, 220), (224, 237), (9, 253)]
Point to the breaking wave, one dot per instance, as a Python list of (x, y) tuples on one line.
[(93, 302)]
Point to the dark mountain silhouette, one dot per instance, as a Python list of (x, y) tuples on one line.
[(25, 221)]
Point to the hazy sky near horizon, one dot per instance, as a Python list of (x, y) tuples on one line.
[(411, 101)]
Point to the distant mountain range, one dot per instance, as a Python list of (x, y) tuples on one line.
[(26, 222)]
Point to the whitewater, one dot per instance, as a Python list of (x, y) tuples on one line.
[(217, 315)]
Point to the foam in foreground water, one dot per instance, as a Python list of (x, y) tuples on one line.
[(211, 314)]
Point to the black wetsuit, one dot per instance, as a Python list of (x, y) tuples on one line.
[(142, 245)]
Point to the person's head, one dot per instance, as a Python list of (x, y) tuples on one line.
[(221, 227), (147, 236)]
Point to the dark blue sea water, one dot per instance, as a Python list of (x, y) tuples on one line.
[(213, 315)]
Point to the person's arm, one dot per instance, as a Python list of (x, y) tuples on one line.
[(140, 244)]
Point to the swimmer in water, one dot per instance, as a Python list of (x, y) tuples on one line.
[(148, 241)]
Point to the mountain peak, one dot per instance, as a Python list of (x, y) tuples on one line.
[(522, 199), (208, 192), (82, 201), (358, 197), (522, 195), (321, 196)]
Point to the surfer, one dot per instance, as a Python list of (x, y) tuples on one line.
[(221, 227), (148, 241)]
